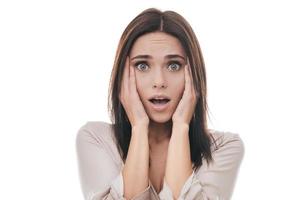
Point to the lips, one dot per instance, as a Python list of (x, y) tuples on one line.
[(160, 104)]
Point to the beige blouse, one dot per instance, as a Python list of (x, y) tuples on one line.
[(100, 168)]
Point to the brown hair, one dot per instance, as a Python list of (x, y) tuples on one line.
[(170, 22)]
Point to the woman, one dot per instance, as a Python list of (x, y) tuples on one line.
[(159, 140)]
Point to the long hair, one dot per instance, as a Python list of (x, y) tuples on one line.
[(170, 22)]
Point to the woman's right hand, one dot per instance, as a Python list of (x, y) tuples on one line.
[(130, 99)]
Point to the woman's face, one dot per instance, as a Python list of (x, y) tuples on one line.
[(159, 70)]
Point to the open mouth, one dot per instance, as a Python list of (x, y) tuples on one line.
[(159, 101)]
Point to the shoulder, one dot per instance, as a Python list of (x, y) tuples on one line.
[(95, 136), (95, 132), (227, 144), (218, 177)]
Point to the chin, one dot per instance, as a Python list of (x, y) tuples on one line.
[(161, 119)]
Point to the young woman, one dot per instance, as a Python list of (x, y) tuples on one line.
[(159, 140)]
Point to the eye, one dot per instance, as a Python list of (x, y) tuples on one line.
[(140, 65), (176, 64)]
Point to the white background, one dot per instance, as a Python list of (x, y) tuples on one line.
[(56, 58)]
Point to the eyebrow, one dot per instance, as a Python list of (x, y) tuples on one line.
[(150, 57)]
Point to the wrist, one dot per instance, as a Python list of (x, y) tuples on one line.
[(181, 126), (139, 128)]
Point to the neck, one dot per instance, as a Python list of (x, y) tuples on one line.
[(159, 132)]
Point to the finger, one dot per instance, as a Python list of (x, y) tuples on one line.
[(187, 78), (132, 78), (190, 73), (190, 78)]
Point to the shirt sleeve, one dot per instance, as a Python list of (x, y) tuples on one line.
[(217, 181), (100, 177)]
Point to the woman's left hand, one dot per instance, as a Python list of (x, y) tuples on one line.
[(186, 107)]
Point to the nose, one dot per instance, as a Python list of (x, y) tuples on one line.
[(159, 79)]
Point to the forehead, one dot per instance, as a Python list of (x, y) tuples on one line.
[(157, 43)]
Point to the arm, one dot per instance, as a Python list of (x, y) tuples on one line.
[(217, 180), (179, 164), (100, 175), (136, 168)]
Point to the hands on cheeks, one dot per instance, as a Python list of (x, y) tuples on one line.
[(130, 99), (133, 105), (186, 107)]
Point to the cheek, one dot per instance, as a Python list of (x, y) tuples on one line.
[(140, 85), (178, 87)]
